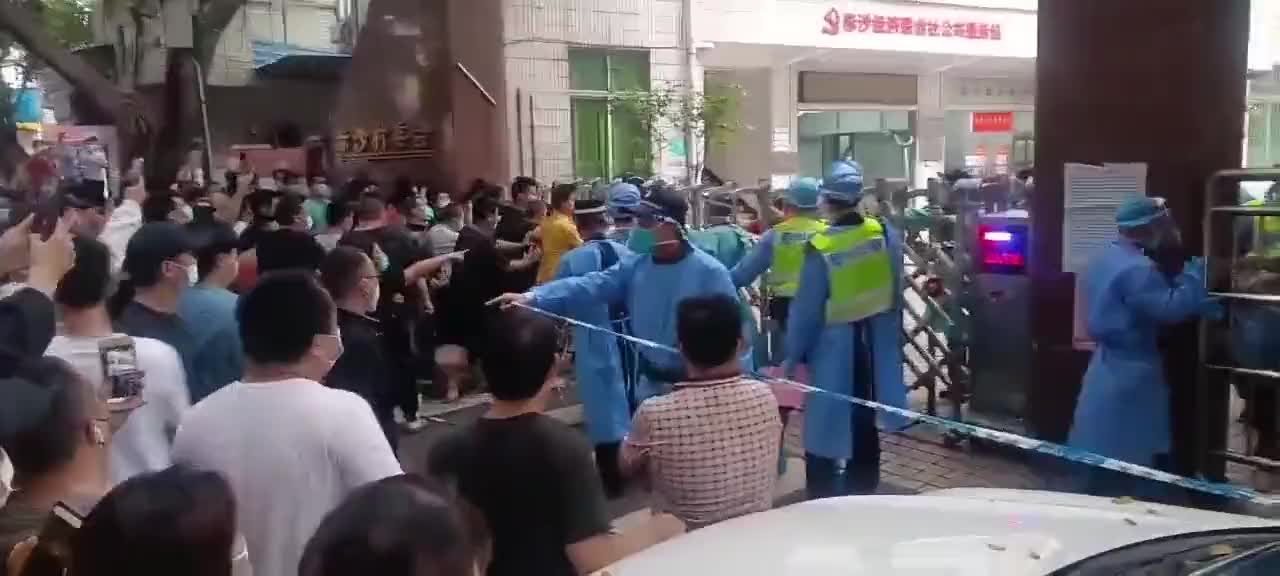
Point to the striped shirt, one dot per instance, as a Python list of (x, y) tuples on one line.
[(710, 448)]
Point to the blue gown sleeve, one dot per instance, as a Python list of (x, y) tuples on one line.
[(756, 261), (808, 310), (603, 287), (566, 265), (1148, 291)]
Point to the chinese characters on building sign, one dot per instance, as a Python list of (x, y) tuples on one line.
[(835, 22), (992, 122), (401, 142)]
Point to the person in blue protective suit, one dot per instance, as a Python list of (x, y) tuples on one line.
[(603, 364), (845, 322), (1123, 411), (781, 252), (624, 199), (649, 285), (722, 238)]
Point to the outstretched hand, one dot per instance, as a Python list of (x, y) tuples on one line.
[(510, 299)]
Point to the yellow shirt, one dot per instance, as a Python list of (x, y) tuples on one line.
[(559, 235)]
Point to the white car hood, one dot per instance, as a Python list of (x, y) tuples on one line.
[(962, 532)]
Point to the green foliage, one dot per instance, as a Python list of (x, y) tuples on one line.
[(66, 20), (710, 116)]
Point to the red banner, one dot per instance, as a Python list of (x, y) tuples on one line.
[(835, 22), (992, 122)]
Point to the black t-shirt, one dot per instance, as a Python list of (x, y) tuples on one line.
[(398, 303), (140, 321), (533, 479), (362, 368), (478, 279), (513, 225)]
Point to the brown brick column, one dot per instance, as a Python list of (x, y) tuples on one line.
[(1155, 81)]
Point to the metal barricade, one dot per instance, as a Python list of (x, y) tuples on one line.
[(1227, 352)]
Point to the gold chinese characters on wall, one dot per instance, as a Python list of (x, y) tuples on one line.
[(399, 143)]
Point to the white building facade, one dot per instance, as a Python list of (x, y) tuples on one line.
[(909, 89), (563, 58)]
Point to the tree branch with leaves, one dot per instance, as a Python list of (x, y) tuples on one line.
[(709, 117)]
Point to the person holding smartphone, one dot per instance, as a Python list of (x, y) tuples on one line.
[(56, 430), (114, 362)]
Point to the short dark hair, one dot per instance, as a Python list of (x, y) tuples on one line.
[(175, 521), (338, 210), (260, 202), (42, 416), (591, 221), (288, 249), (562, 193), (449, 212), (371, 208), (484, 208), (211, 240), (397, 526), (157, 206), (340, 271), (290, 210), (281, 316), (709, 328), (88, 282), (523, 185), (528, 343), (537, 209)]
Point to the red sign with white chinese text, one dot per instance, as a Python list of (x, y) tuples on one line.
[(835, 22), (992, 122)]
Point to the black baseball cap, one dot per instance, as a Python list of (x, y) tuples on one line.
[(152, 245), (663, 201)]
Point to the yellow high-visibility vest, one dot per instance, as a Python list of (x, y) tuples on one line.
[(790, 237), (859, 270)]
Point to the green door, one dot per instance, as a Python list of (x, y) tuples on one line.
[(590, 137)]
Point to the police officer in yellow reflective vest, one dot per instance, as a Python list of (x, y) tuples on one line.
[(845, 323), (781, 252), (1265, 239)]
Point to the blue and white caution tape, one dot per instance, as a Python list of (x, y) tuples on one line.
[(1009, 439)]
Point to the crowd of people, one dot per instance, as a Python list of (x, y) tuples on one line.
[(215, 379)]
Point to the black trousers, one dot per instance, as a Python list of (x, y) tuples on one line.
[(607, 465), (824, 477)]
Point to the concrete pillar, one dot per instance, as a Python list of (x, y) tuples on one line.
[(783, 136), (930, 127), (1155, 81)]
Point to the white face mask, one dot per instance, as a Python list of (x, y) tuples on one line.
[(193, 275), (185, 214)]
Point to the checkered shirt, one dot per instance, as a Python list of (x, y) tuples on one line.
[(712, 448)]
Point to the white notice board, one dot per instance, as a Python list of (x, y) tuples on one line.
[(1090, 199), (1091, 195)]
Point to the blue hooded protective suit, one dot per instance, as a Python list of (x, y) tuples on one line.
[(1123, 409), (597, 361), (650, 292)]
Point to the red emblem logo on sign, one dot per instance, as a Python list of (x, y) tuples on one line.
[(834, 22)]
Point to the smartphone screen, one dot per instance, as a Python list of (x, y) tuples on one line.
[(47, 212), (120, 371)]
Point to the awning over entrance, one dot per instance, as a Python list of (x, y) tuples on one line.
[(280, 60)]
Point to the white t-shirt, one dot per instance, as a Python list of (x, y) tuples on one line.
[(443, 238), (292, 450), (145, 441)]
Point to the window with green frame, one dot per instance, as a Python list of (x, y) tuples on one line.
[(607, 142)]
